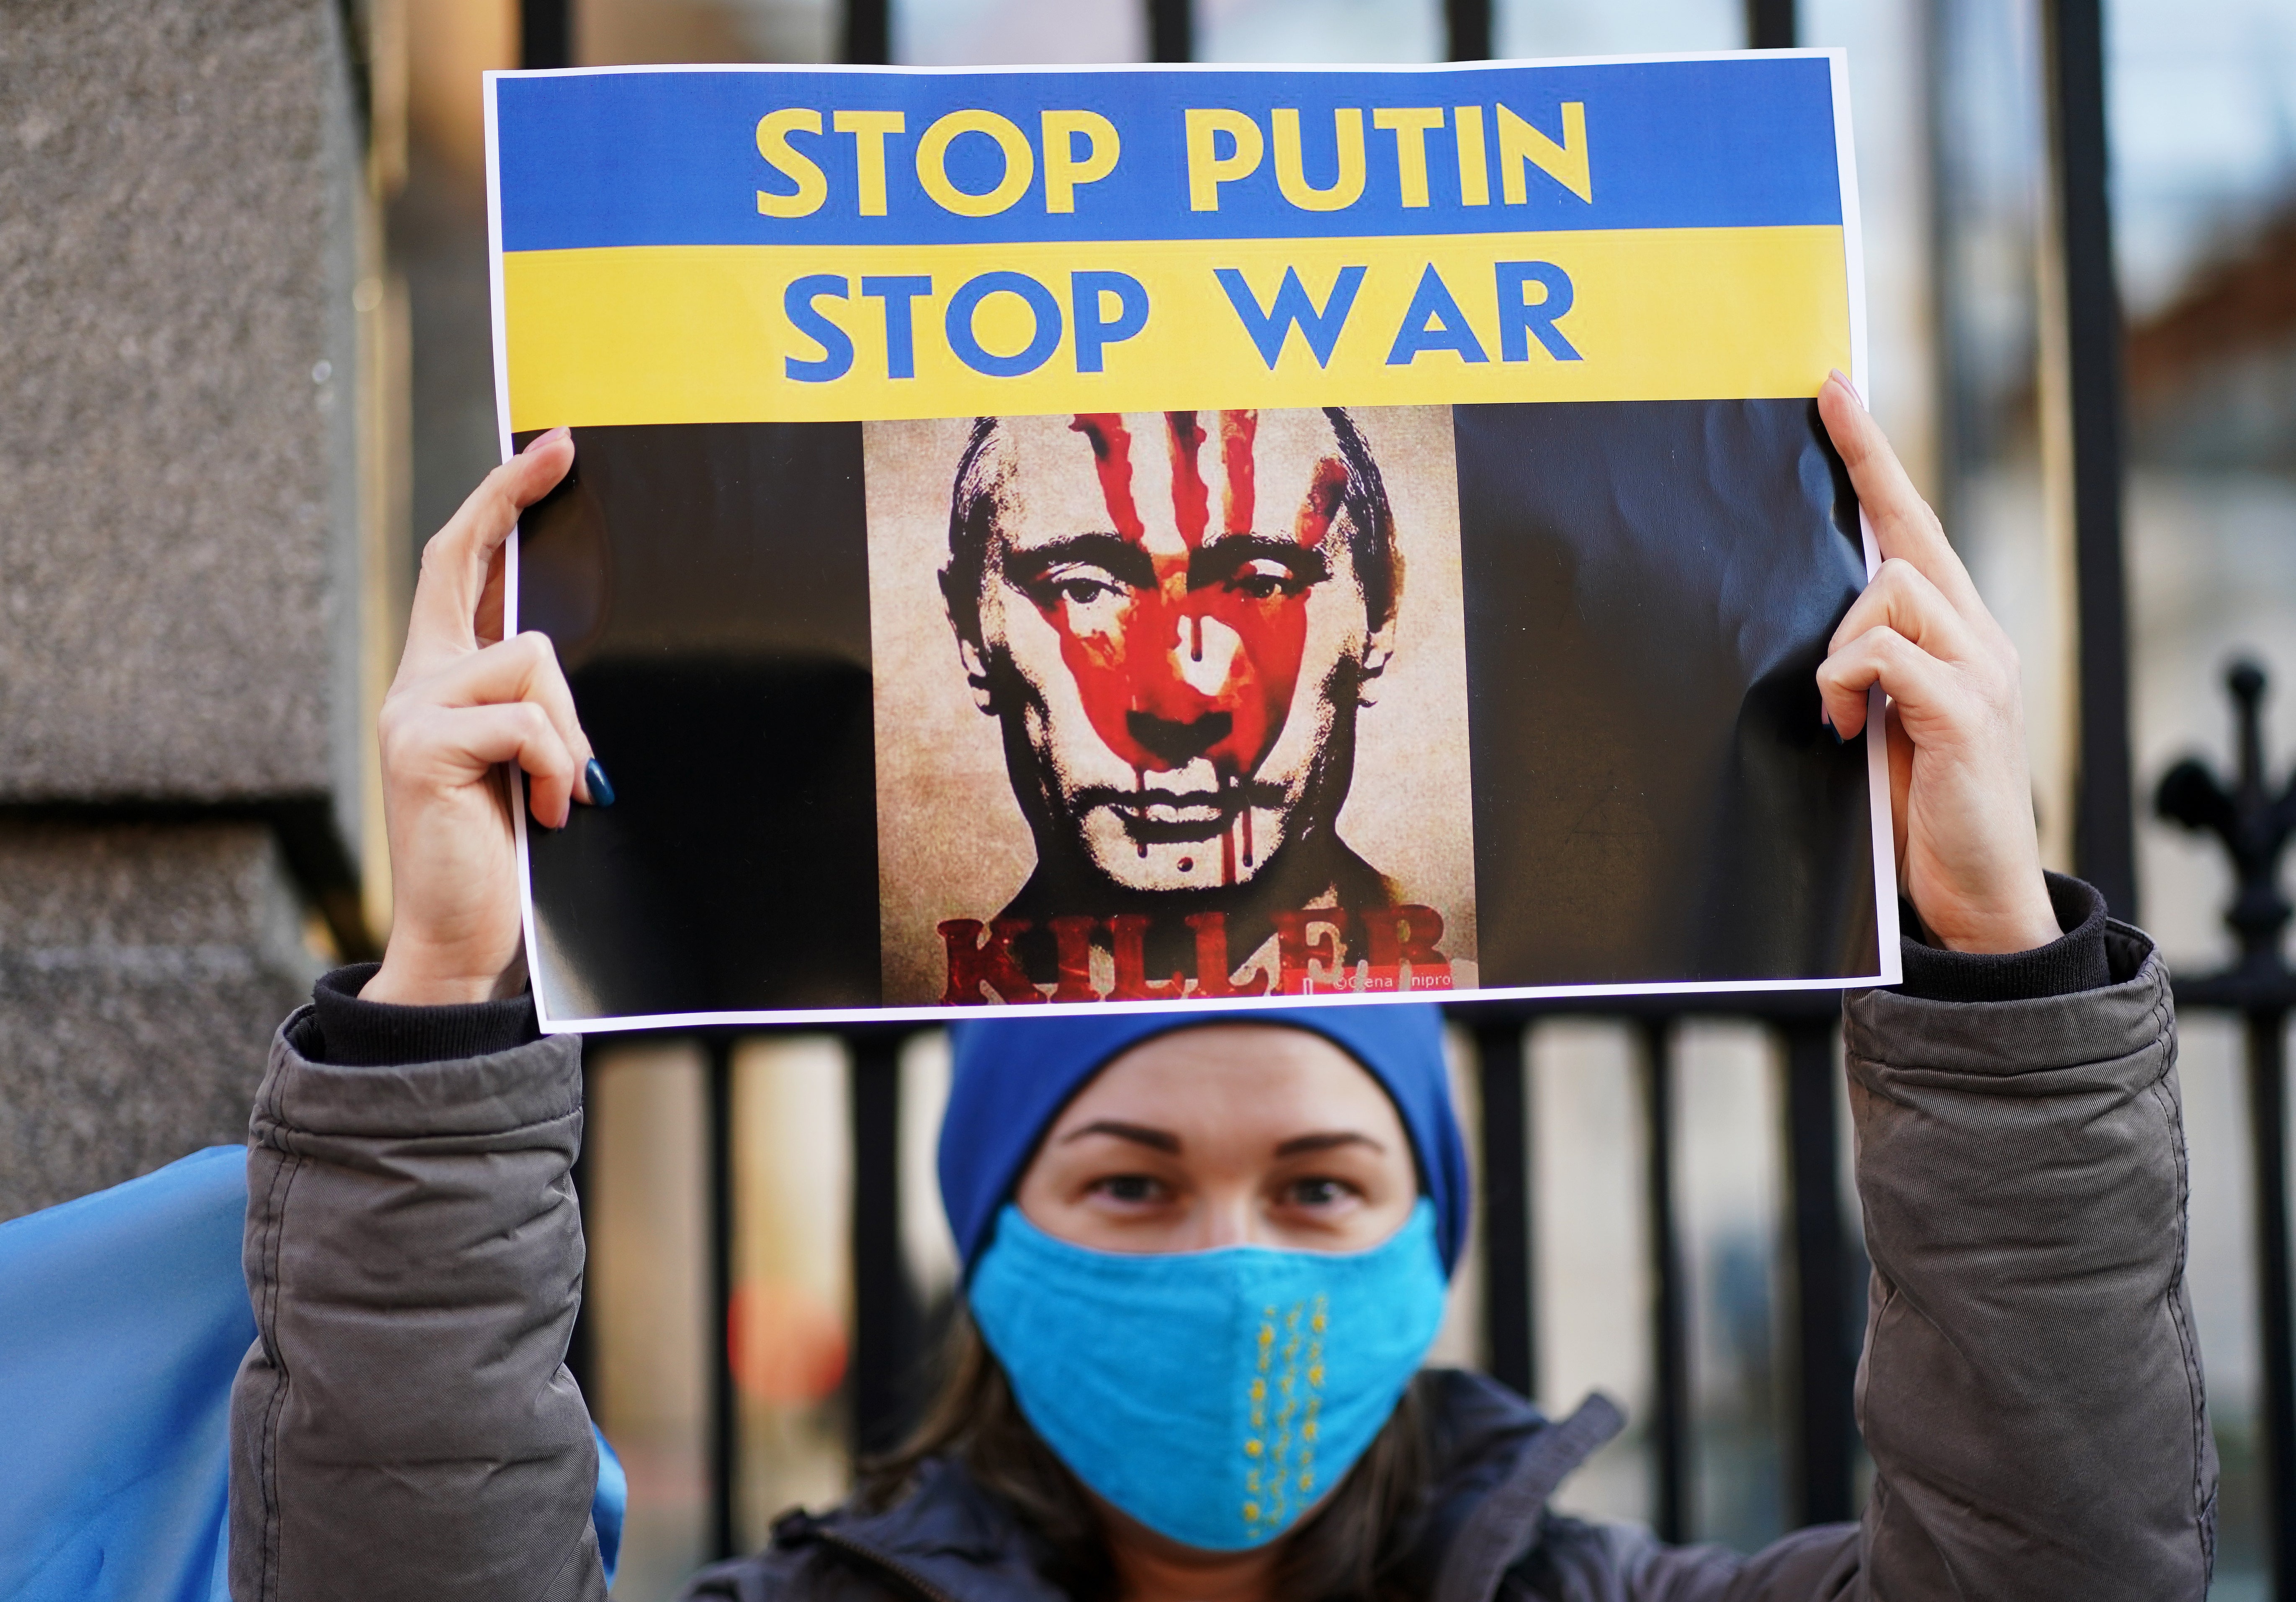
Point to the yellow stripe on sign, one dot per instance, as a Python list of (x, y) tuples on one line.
[(704, 333)]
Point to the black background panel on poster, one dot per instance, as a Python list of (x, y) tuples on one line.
[(1649, 587), (707, 586)]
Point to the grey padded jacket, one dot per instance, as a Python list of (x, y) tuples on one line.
[(2031, 1385)]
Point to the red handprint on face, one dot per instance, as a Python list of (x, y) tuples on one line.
[(1190, 654)]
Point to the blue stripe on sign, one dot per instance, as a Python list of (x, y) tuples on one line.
[(672, 157)]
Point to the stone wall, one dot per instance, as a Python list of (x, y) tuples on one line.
[(143, 969), (181, 199)]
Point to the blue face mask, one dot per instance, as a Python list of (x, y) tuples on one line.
[(1214, 1396)]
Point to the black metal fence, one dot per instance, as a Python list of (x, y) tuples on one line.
[(2252, 818), (1823, 1311), (890, 1355)]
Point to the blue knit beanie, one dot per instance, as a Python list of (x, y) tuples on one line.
[(1013, 1075)]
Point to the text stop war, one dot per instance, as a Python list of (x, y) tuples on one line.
[(1107, 308)]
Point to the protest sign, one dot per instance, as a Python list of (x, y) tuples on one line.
[(1135, 536)]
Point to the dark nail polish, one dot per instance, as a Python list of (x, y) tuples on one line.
[(1836, 732), (601, 792)]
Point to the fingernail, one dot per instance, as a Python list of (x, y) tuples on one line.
[(561, 433), (1836, 732), (602, 790)]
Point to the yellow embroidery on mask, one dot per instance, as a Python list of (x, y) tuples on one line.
[(1281, 1462)]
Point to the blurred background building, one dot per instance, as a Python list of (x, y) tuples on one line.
[(243, 281)]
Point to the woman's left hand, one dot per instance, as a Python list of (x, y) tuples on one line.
[(1960, 786)]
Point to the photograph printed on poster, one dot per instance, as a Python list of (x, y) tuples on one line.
[(1169, 704)]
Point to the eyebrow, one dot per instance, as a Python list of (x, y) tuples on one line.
[(1218, 560), (1324, 1142), (1162, 1140), (1026, 564)]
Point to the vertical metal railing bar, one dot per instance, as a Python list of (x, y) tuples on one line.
[(545, 33), (1510, 1329), (1948, 302), (866, 39), (2104, 804), (725, 1420), (1467, 27), (887, 1327), (1669, 1425), (1171, 30), (1819, 1452), (1772, 25), (1821, 1449)]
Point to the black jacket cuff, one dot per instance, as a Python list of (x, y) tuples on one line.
[(352, 1033), (2074, 962)]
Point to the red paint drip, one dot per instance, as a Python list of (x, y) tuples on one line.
[(1236, 433), (1327, 488), (1191, 500), (1111, 458)]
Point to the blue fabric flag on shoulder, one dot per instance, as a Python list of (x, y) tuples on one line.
[(125, 1316), (123, 1319)]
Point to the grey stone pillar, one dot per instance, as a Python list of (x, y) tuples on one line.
[(144, 968), (182, 197)]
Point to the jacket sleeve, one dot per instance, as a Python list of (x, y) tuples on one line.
[(404, 1425), (2031, 1387)]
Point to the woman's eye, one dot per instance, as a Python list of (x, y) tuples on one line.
[(1132, 1189), (1320, 1193)]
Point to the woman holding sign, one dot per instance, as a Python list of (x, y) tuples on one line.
[(1204, 1258)]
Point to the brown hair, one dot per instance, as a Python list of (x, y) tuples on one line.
[(1350, 1550)]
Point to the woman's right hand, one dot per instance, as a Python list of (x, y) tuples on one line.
[(465, 703)]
